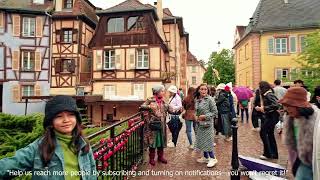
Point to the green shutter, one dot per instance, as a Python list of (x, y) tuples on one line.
[(271, 46), (293, 44)]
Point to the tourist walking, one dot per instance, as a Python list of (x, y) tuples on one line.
[(62, 147), (189, 114), (299, 123), (206, 110), (223, 105), (269, 106), (155, 131), (175, 109)]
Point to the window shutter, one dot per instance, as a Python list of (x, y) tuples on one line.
[(37, 90), (57, 66), (74, 35), (16, 95), (72, 66), (16, 60), (118, 59), (279, 74), (132, 58), (98, 59), (293, 44), (1, 19), (37, 65), (39, 27), (58, 36), (16, 25), (271, 45)]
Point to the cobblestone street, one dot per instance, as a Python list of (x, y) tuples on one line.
[(182, 161)]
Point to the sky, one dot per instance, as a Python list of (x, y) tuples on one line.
[(206, 21)]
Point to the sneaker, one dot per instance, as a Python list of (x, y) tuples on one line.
[(212, 162), (191, 146), (171, 144), (263, 157), (214, 144), (228, 139), (203, 160)]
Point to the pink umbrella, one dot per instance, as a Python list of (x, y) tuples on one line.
[(243, 93)]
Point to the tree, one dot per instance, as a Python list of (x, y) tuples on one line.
[(223, 63), (309, 60)]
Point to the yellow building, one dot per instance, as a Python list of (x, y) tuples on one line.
[(267, 48), (195, 71)]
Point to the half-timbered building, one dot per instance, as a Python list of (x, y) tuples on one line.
[(24, 53), (73, 25), (129, 55)]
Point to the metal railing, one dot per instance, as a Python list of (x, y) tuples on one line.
[(122, 151)]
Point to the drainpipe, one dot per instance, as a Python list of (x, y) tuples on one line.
[(175, 53)]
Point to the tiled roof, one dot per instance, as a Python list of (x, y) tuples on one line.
[(167, 13), (81, 7), (241, 30), (277, 15), (26, 5), (127, 6), (192, 60)]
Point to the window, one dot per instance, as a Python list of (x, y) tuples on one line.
[(67, 4), (194, 80), (302, 43), (109, 59), (28, 90), (270, 46), (143, 59), (246, 51), (135, 23), (29, 27), (138, 90), (67, 36), (293, 46), (193, 69), (307, 73), (68, 65), (282, 73), (38, 1), (28, 60), (115, 25), (281, 46), (240, 56), (109, 91)]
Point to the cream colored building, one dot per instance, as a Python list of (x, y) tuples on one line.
[(195, 71)]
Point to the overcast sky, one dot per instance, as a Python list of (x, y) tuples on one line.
[(206, 21)]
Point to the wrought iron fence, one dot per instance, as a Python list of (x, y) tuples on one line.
[(120, 153)]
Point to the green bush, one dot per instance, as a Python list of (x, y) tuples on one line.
[(17, 132)]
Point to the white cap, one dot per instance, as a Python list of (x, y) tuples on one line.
[(173, 89), (221, 86)]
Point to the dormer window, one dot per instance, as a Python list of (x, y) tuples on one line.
[(115, 25), (135, 23), (67, 4)]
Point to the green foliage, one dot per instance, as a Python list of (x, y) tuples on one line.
[(17, 132), (223, 62), (309, 60)]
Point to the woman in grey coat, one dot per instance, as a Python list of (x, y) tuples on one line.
[(206, 110)]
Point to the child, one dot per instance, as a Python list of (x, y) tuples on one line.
[(61, 153)]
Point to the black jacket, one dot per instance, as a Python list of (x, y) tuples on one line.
[(223, 103), (270, 102)]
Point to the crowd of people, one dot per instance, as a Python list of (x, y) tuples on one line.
[(207, 111)]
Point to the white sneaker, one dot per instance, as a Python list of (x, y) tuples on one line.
[(171, 144), (228, 139), (203, 160), (191, 146), (212, 162), (263, 157), (214, 144)]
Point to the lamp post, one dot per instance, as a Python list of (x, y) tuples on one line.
[(235, 160)]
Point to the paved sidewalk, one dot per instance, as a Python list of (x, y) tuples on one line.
[(182, 161)]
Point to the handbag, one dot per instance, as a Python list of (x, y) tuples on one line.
[(204, 124), (155, 125)]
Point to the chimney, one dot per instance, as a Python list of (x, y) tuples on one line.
[(158, 5), (286, 1)]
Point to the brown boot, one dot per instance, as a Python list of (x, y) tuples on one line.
[(160, 156), (152, 154)]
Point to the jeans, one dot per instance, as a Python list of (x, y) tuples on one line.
[(226, 124), (304, 172), (270, 149), (189, 125), (247, 114), (207, 154)]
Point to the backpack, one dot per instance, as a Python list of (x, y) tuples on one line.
[(244, 103)]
